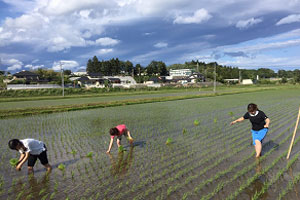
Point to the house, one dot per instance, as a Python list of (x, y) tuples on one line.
[(180, 72), (91, 83), (114, 80), (94, 75), (81, 72), (26, 75), (247, 82), (196, 77)]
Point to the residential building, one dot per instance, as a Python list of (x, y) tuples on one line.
[(180, 72)]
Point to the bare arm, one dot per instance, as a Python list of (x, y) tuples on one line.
[(110, 145), (25, 158), (267, 123), (21, 158), (237, 120), (128, 133)]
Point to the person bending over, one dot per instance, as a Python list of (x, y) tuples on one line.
[(118, 132), (31, 150)]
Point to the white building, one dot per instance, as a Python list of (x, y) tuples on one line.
[(247, 82), (180, 72), (81, 72)]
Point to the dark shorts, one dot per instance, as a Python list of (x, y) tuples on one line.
[(42, 157)]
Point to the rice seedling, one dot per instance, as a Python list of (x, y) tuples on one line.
[(121, 149), (169, 141), (61, 167), (13, 162), (196, 122), (89, 155)]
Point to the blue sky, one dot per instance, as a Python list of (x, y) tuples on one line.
[(242, 33)]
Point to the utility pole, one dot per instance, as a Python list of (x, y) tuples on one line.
[(62, 79), (240, 77), (197, 66), (215, 77)]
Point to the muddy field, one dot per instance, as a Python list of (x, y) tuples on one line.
[(205, 157)]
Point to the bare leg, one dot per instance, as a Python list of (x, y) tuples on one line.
[(48, 167), (258, 148), (30, 170)]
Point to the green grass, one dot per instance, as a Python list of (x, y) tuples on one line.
[(112, 103)]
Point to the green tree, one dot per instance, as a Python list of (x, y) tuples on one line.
[(128, 67), (67, 72), (297, 75)]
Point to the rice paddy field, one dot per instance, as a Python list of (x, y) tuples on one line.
[(183, 149)]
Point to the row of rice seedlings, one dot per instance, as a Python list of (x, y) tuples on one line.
[(205, 142), (151, 179), (246, 169), (289, 187), (268, 184), (179, 165), (253, 178), (191, 177), (250, 180), (220, 173)]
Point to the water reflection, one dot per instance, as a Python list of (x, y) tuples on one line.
[(258, 184), (295, 186), (120, 165)]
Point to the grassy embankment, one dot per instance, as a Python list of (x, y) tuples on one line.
[(111, 103)]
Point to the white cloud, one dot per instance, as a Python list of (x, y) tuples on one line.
[(34, 67), (14, 67), (11, 61), (104, 51), (244, 24), (59, 7), (289, 19), (161, 45), (66, 64), (198, 17), (106, 41)]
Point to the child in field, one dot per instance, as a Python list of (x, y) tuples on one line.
[(30, 150), (260, 125), (118, 131)]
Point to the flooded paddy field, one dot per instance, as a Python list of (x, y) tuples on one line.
[(205, 157)]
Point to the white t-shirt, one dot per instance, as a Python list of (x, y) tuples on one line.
[(33, 146)]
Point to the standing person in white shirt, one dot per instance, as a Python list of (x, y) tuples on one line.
[(30, 150)]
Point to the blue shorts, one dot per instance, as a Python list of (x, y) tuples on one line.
[(259, 135)]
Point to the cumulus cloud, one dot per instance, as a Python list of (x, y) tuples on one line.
[(289, 19), (244, 24), (198, 17), (14, 67), (161, 45), (106, 41), (104, 51), (33, 67), (66, 64)]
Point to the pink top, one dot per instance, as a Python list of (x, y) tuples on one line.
[(121, 128)]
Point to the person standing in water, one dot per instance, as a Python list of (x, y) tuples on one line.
[(260, 125), (117, 132)]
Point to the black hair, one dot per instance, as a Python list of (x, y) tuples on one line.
[(14, 143), (252, 107), (114, 131)]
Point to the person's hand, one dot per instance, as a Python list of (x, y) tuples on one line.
[(233, 122), (266, 126), (130, 140), (107, 152), (18, 168)]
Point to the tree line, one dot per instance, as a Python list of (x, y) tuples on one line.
[(228, 72), (115, 66)]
